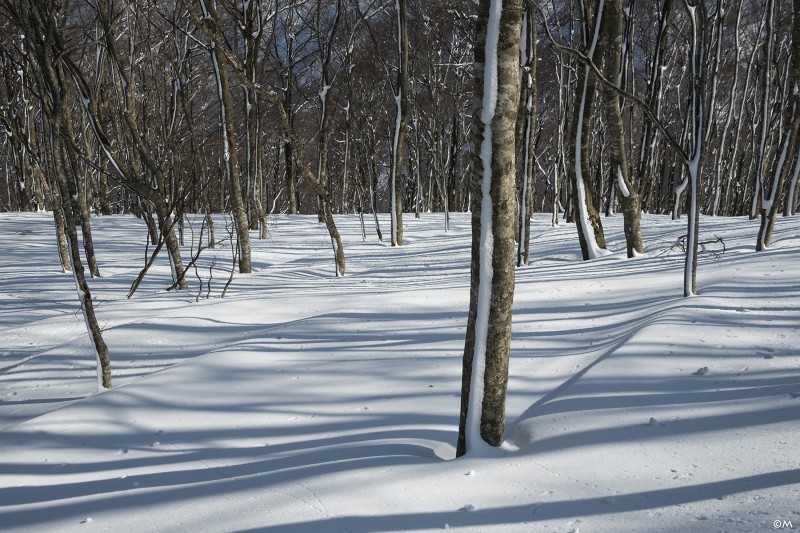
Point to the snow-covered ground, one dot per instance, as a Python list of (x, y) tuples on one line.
[(303, 402)]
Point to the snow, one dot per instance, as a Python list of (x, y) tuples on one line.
[(491, 59), (623, 189), (305, 402)]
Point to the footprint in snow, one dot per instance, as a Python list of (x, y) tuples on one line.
[(766, 353)]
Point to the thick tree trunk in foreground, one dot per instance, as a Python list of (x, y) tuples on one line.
[(486, 350)]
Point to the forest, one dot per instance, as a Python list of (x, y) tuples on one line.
[(166, 109), (298, 231), (301, 106)]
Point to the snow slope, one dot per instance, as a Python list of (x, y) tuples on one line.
[(305, 402)]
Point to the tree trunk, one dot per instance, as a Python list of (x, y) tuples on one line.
[(782, 167), (527, 114), (84, 294), (291, 177), (487, 344), (230, 154), (647, 164), (318, 186), (610, 39), (61, 230), (722, 161), (324, 193), (125, 158), (697, 59), (42, 36), (252, 33), (590, 228), (79, 203), (401, 124), (793, 190)]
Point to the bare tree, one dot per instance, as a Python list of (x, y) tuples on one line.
[(487, 345), (252, 27), (590, 228), (42, 24), (131, 151), (696, 11), (211, 21), (526, 120), (772, 184), (401, 98), (610, 41), (647, 165)]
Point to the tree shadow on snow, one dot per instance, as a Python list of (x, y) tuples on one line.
[(545, 511)]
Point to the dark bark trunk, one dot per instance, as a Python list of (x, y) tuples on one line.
[(610, 39), (782, 166), (487, 343), (401, 125), (582, 190), (232, 161), (527, 118)]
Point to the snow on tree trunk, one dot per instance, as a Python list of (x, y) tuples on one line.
[(401, 98), (230, 155), (590, 230), (791, 197), (528, 111), (53, 83), (692, 233), (611, 30), (697, 58), (772, 185), (487, 344), (58, 219)]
